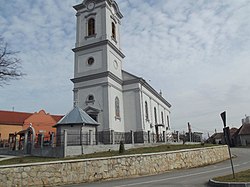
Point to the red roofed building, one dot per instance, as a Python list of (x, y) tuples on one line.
[(13, 122)]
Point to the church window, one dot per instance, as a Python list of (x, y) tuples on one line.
[(155, 112), (91, 61), (146, 110), (117, 107), (91, 26), (90, 99), (113, 31)]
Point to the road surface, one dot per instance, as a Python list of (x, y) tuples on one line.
[(185, 177)]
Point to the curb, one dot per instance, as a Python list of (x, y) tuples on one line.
[(212, 182)]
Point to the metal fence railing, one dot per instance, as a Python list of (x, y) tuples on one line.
[(76, 137), (4, 144)]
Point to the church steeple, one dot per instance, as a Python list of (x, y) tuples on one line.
[(98, 63), (97, 49), (98, 20)]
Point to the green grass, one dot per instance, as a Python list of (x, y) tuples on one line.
[(142, 150), (243, 176)]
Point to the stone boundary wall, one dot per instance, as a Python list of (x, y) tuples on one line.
[(88, 170)]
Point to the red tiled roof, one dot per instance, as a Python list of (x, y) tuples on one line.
[(14, 118), (233, 130), (18, 118), (57, 117)]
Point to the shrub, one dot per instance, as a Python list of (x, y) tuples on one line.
[(121, 148)]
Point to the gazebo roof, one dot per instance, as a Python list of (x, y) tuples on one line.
[(77, 116)]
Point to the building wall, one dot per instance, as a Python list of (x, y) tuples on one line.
[(161, 108), (245, 140), (88, 170), (5, 130), (135, 96), (129, 111), (77, 134), (116, 123), (42, 122), (82, 67), (114, 62), (105, 91), (98, 92)]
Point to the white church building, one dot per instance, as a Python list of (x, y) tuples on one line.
[(119, 101)]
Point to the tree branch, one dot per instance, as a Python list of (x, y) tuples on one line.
[(10, 66)]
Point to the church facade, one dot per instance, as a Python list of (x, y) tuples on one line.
[(119, 101)]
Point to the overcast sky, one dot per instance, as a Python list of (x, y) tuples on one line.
[(197, 52)]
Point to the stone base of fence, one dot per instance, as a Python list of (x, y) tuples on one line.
[(89, 170)]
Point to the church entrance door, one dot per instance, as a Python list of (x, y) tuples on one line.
[(92, 112), (94, 117)]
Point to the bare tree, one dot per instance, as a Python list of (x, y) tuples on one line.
[(10, 65)]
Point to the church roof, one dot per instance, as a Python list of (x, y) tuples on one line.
[(77, 116), (111, 2), (129, 78)]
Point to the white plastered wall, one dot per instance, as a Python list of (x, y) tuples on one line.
[(115, 90)]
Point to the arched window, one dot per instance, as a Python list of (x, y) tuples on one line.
[(155, 112), (91, 98), (117, 107), (113, 30), (146, 110), (91, 26)]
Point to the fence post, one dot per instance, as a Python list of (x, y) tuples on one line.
[(112, 137), (81, 134), (96, 136), (65, 138), (149, 137), (16, 143), (90, 137), (42, 140), (25, 142), (164, 137), (153, 135), (178, 136), (132, 137), (52, 139)]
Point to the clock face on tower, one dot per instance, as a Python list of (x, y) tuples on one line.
[(91, 6)]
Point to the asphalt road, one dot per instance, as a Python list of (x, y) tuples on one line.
[(186, 177)]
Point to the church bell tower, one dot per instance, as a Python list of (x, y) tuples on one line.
[(98, 63)]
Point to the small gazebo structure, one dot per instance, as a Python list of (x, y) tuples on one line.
[(80, 128), (26, 140)]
